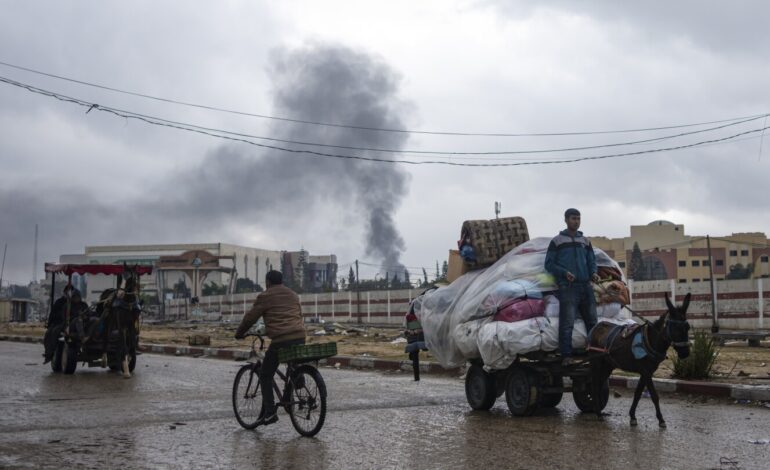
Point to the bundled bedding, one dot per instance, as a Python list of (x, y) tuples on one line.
[(510, 308)]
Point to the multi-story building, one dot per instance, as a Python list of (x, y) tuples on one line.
[(309, 273), (667, 253), (191, 264)]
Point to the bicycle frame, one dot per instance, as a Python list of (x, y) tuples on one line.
[(281, 395)]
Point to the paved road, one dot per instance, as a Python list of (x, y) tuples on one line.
[(176, 413)]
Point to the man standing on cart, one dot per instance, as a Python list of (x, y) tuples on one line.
[(282, 313), (570, 258)]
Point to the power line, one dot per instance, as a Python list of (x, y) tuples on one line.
[(190, 128), (367, 128), (412, 152), (736, 242)]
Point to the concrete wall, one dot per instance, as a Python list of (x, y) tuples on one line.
[(381, 307), (737, 304), (740, 304)]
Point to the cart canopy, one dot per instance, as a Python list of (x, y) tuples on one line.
[(109, 269)]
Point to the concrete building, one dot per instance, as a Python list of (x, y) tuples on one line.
[(668, 253), (16, 310), (309, 273), (192, 264)]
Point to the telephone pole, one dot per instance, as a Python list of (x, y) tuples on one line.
[(34, 259), (714, 325), (498, 208), (358, 295), (2, 270)]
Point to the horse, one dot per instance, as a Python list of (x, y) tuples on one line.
[(118, 309), (639, 348)]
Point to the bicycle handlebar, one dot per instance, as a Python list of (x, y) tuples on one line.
[(257, 337)]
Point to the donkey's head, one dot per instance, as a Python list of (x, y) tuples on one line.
[(676, 327)]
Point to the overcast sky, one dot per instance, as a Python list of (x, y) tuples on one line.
[(478, 67)]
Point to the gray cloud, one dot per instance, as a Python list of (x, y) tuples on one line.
[(317, 83), (237, 183), (734, 27)]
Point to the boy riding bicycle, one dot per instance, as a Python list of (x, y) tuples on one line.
[(280, 308)]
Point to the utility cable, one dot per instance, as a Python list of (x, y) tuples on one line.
[(412, 152), (157, 122), (367, 128)]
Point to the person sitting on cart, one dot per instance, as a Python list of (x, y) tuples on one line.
[(570, 259), (70, 300), (280, 308)]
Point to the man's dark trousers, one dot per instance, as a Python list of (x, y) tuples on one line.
[(576, 298), (267, 372)]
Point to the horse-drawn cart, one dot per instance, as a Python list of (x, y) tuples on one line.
[(534, 380), (106, 335)]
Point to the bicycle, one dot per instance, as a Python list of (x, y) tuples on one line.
[(303, 395)]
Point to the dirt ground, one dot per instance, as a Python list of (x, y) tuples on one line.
[(736, 362)]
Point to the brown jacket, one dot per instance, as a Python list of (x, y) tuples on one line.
[(281, 310)]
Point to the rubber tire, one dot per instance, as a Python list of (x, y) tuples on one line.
[(521, 392), (480, 388), (69, 358), (247, 422), (307, 371), (550, 400), (581, 394), (57, 357)]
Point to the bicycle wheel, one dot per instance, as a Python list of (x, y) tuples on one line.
[(247, 396), (307, 400)]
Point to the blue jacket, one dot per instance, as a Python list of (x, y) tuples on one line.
[(573, 254)]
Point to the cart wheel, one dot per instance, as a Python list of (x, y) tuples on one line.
[(522, 392), (581, 393), (69, 359), (57, 356), (550, 400), (480, 388)]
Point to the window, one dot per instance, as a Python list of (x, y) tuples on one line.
[(733, 252), (763, 259), (744, 252), (720, 262), (682, 280), (622, 264), (682, 264), (695, 262), (696, 280), (705, 262)]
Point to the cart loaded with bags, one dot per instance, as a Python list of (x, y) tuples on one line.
[(503, 320)]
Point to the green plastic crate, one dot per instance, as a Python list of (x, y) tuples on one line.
[(307, 352)]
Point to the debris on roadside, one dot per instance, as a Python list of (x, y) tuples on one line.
[(760, 441), (199, 340)]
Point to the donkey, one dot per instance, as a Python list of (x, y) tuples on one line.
[(638, 349), (118, 308)]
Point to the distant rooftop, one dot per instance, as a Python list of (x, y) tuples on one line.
[(661, 222)]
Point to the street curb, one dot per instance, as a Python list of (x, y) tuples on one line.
[(714, 389)]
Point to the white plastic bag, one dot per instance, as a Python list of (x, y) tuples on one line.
[(441, 311)]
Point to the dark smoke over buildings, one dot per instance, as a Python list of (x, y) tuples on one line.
[(322, 84), (239, 183)]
